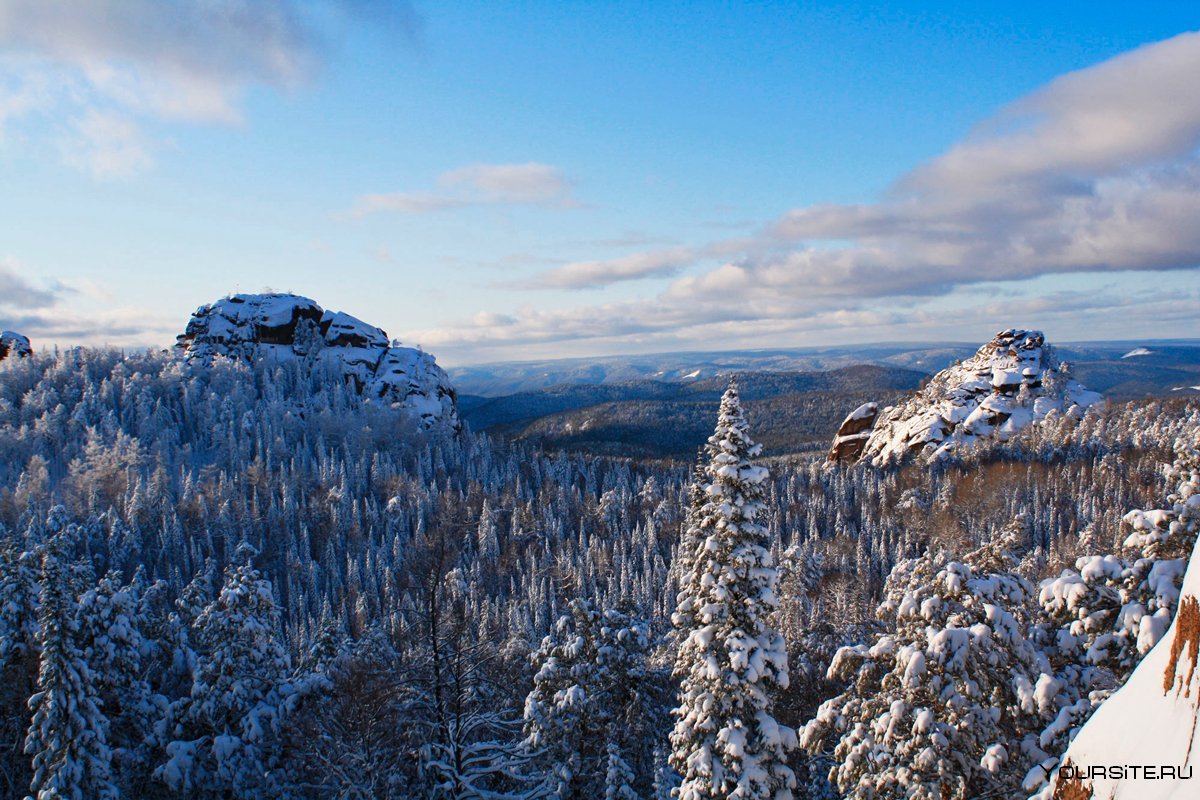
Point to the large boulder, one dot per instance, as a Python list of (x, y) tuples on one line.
[(287, 327), (14, 344), (853, 433)]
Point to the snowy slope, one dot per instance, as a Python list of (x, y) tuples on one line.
[(1153, 720), (285, 327), (14, 344), (1012, 381)]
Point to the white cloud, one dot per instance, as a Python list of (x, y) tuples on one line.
[(107, 144), (594, 274), (404, 203), (513, 183), (1095, 172), (83, 310), (476, 185), (101, 61), (18, 295)]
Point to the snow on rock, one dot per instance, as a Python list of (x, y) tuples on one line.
[(1011, 382), (853, 433), (1141, 351), (287, 327), (14, 344), (1150, 729)]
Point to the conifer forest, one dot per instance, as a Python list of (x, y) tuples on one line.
[(244, 579)]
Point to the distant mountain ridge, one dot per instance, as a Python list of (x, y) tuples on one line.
[(1171, 363), (288, 327)]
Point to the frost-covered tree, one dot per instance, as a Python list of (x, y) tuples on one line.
[(488, 547), (947, 704), (18, 660), (726, 743), (618, 777), (1111, 609), (590, 691), (238, 697), (1102, 617), (68, 737), (108, 618), (18, 604)]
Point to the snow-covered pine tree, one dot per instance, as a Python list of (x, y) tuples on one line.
[(590, 690), (618, 778), (1111, 609), (487, 545), (726, 744), (947, 705), (68, 735), (685, 553), (18, 660), (238, 696), (665, 778), (18, 604), (1101, 618), (111, 637)]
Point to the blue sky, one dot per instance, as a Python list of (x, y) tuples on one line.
[(501, 181)]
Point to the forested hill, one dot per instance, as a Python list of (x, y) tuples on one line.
[(792, 411)]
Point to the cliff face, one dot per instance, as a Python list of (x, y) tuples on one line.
[(1011, 382), (285, 327), (14, 344)]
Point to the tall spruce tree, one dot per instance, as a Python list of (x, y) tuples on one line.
[(726, 743), (68, 735)]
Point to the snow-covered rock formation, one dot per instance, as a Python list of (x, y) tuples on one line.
[(285, 327), (1012, 381), (1143, 743), (14, 344), (853, 433)]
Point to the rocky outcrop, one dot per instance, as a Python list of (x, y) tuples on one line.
[(1011, 382), (14, 344), (853, 433), (286, 327)]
